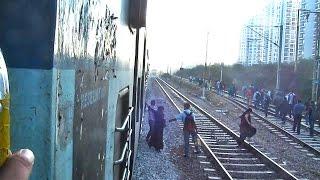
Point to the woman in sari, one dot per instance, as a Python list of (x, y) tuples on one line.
[(156, 139)]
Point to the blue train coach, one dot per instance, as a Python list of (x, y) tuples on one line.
[(77, 72)]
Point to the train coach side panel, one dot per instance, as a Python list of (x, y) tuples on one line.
[(122, 78), (67, 60), (86, 43), (26, 38)]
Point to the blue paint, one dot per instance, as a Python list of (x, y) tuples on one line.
[(27, 33), (115, 85), (91, 97), (32, 122), (65, 93), (43, 81)]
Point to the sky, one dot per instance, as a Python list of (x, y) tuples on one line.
[(177, 31)]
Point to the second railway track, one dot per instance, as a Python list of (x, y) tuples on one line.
[(310, 143), (273, 123), (231, 161)]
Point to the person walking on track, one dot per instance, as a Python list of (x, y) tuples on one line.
[(189, 128), (156, 139), (246, 128), (249, 94), (311, 115), (266, 103), (151, 117), (284, 109), (291, 100), (297, 115)]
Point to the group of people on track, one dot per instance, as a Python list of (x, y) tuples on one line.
[(157, 123), (290, 106), (286, 105)]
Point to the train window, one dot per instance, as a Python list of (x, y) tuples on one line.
[(120, 139)]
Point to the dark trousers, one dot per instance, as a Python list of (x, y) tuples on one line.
[(291, 109), (186, 135), (277, 111), (256, 104), (297, 123), (266, 107), (283, 117), (150, 130), (311, 123)]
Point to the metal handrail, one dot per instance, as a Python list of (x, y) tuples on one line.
[(129, 157), (126, 172), (129, 134), (119, 161), (125, 123), (124, 175)]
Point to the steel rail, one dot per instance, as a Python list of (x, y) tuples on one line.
[(271, 111), (221, 169), (277, 168), (290, 135)]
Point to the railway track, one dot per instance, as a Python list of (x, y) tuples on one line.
[(219, 143), (284, 130), (272, 111)]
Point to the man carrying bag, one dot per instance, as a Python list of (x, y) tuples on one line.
[(189, 128)]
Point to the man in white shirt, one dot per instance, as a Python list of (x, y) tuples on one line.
[(291, 101)]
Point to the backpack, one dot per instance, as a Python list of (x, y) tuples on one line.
[(189, 124)]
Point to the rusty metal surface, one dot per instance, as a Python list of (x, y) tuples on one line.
[(89, 127), (86, 42)]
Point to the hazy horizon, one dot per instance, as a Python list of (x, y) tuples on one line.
[(177, 31)]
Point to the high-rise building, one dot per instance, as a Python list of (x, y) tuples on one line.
[(290, 29), (269, 21), (251, 46), (307, 29), (272, 31), (316, 35)]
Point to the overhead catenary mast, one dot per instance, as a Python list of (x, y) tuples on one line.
[(205, 71)]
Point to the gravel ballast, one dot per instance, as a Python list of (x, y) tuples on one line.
[(302, 163), (169, 163)]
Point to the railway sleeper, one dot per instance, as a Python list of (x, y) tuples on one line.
[(239, 160), (265, 174), (245, 167), (233, 154), (213, 133), (225, 150)]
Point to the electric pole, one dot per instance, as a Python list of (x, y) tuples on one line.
[(205, 70), (280, 50), (315, 75)]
